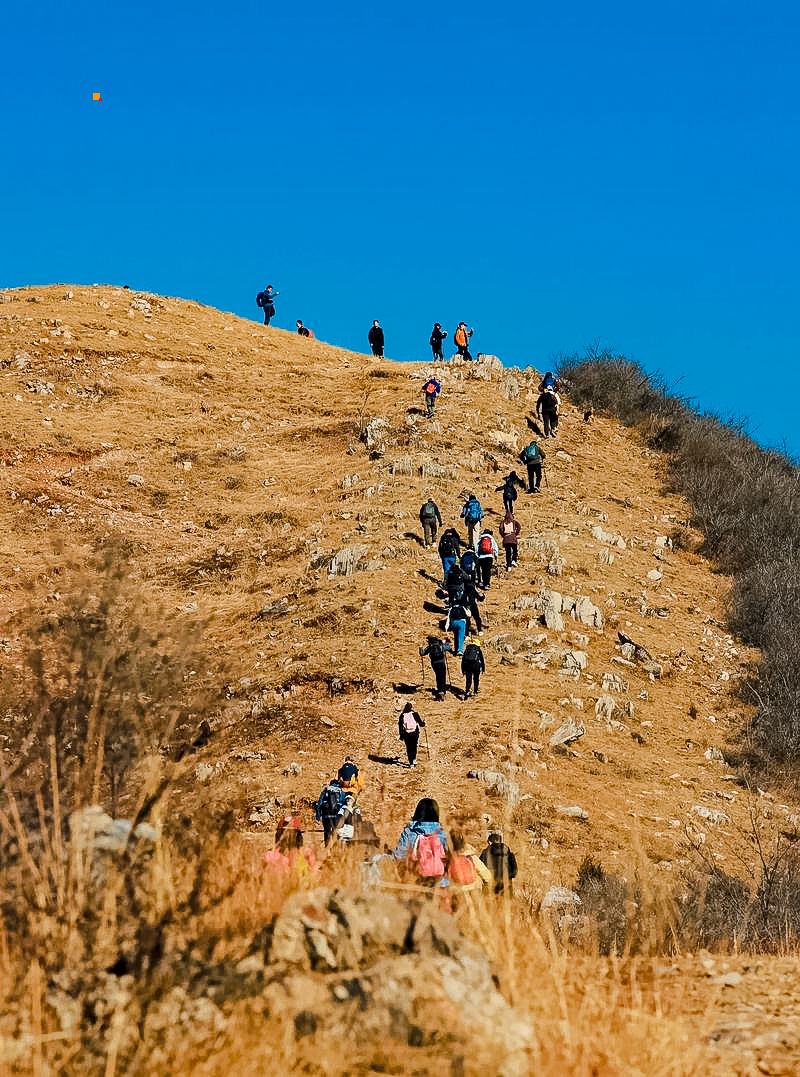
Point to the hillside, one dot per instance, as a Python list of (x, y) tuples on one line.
[(225, 460)]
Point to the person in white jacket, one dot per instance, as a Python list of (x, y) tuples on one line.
[(487, 553)]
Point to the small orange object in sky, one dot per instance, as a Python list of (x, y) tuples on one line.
[(96, 97)]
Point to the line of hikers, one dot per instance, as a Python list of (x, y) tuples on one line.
[(426, 854)]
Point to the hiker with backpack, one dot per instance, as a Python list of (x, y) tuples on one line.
[(500, 861), (509, 534), (469, 564), (349, 776), (289, 857), (533, 458), (408, 725), (328, 807), (437, 336), (436, 650), (422, 847), (472, 665), (548, 382), (487, 552), (471, 514), (461, 589), (547, 408), (302, 330), (509, 487), (431, 520), (465, 869), (458, 623), (431, 389), (461, 340), (375, 338), (449, 545), (265, 300)]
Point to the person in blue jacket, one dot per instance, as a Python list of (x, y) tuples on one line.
[(432, 388), (266, 300), (424, 821)]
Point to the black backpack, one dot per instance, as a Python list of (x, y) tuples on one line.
[(447, 546), (261, 299), (472, 655), (436, 650), (330, 802), (502, 863)]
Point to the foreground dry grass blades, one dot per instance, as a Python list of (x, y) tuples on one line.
[(214, 586)]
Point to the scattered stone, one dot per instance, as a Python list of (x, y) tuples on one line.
[(376, 434), (559, 897), (569, 731), (575, 661), (346, 560), (135, 480), (293, 769), (432, 470), (714, 754), (714, 816), (604, 707), (572, 811), (497, 785), (612, 683), (587, 613), (655, 575)]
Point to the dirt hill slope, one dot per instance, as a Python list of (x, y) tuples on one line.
[(228, 459)]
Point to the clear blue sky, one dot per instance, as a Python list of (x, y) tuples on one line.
[(555, 174)]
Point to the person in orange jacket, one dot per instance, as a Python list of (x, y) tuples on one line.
[(461, 339)]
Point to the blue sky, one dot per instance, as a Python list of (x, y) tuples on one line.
[(556, 175)]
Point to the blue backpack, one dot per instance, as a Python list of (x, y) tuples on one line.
[(473, 513)]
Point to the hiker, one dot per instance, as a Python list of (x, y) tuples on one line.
[(349, 776), (449, 545), (458, 622), (409, 724), (422, 847), (533, 458), (509, 487), (487, 551), (375, 338), (265, 300), (471, 514), (472, 665), (431, 520), (289, 857), (328, 806), (500, 861), (549, 381), (437, 336), (547, 408), (461, 340), (469, 564), (465, 869), (431, 389), (436, 651), (509, 533), (302, 330)]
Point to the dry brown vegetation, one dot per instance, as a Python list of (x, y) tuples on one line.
[(172, 505)]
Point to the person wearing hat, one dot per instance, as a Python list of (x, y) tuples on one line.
[(437, 336), (461, 339), (472, 665), (349, 776)]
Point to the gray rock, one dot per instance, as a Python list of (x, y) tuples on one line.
[(135, 480), (572, 811), (715, 754), (587, 613), (346, 560), (376, 434), (575, 661), (559, 897), (714, 816), (498, 785), (571, 730)]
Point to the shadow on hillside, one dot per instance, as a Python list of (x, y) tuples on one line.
[(427, 576), (534, 426), (386, 760), (431, 607), (404, 689), (415, 537)]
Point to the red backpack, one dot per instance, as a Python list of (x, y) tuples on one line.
[(462, 870), (485, 545), (428, 856)]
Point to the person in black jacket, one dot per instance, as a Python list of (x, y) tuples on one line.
[(472, 665), (375, 338), (502, 863), (509, 484), (449, 548), (436, 651), (437, 336), (408, 726), (265, 300)]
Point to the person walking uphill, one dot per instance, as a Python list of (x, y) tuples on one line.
[(437, 336), (487, 551), (409, 724), (461, 340), (431, 389), (458, 622), (449, 546), (429, 518), (328, 807), (436, 651), (472, 665), (508, 486), (500, 861), (423, 845), (509, 535), (471, 514), (547, 408), (375, 338), (265, 300), (533, 458)]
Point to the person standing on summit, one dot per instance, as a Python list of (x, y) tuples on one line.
[(265, 300), (461, 340), (375, 338), (437, 336)]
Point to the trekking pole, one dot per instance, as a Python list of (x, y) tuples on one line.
[(422, 667), (427, 744)]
